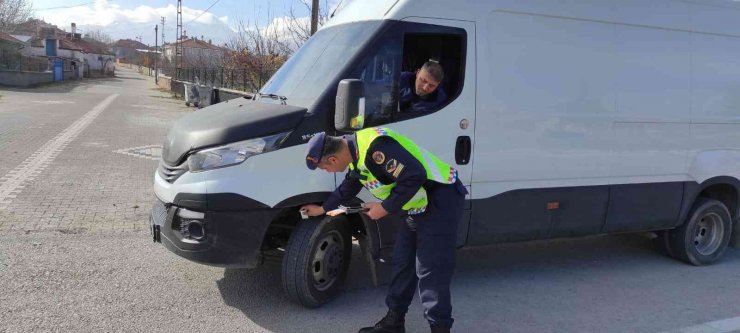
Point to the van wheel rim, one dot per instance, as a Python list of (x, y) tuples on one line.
[(708, 235), (327, 260)]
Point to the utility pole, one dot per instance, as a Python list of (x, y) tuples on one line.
[(178, 41), (156, 54), (314, 16), (162, 30)]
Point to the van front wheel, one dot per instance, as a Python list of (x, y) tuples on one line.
[(704, 237), (316, 260)]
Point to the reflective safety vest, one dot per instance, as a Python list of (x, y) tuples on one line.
[(436, 170)]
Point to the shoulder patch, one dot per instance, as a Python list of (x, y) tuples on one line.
[(391, 165), (378, 157), (397, 173)]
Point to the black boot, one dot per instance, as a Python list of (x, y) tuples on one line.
[(393, 322), (440, 329)]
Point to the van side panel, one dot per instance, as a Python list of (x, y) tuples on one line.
[(546, 103), (652, 84), (524, 214), (715, 118), (634, 100)]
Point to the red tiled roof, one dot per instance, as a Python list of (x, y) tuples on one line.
[(194, 43), (82, 45), (9, 38), (74, 44)]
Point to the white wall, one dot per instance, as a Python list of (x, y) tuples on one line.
[(96, 65), (33, 51)]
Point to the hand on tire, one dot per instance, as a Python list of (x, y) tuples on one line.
[(312, 210)]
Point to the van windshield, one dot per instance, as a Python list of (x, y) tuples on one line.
[(309, 71)]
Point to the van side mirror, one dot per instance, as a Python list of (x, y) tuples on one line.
[(349, 114)]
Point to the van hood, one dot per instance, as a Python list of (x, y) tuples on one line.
[(232, 121)]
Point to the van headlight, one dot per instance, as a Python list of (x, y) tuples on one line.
[(233, 153)]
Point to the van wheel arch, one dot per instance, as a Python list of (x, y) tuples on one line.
[(723, 188), (287, 220), (724, 193)]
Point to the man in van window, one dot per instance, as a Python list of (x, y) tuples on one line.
[(420, 91), (428, 194)]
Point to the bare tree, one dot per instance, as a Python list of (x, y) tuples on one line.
[(300, 27), (14, 12), (259, 52), (98, 35)]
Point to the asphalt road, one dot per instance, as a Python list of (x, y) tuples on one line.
[(76, 255)]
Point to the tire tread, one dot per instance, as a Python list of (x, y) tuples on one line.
[(297, 261), (678, 237)]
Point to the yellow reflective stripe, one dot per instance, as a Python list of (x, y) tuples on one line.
[(436, 170), (432, 167), (417, 201)]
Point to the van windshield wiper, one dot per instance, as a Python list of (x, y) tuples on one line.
[(274, 96)]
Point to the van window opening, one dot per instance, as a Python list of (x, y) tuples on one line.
[(391, 69)]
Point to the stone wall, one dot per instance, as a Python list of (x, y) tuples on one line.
[(24, 79)]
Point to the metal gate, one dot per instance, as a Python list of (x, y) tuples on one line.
[(58, 70)]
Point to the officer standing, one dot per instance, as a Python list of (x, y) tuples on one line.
[(407, 179)]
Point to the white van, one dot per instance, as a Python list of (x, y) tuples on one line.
[(563, 118)]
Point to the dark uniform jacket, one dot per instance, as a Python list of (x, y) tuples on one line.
[(408, 181)]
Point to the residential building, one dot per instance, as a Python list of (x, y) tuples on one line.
[(196, 53), (126, 51)]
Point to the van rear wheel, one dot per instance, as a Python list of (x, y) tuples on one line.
[(704, 237), (316, 260)]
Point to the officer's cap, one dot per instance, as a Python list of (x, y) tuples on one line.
[(315, 150)]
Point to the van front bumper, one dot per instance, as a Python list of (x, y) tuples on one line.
[(216, 238)]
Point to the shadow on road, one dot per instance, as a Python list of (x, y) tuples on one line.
[(258, 293), (505, 278), (68, 86)]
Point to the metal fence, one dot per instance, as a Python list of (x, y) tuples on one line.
[(237, 79), (14, 61)]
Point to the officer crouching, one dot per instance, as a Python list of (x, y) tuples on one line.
[(407, 179)]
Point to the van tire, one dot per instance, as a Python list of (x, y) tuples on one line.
[(704, 237), (316, 260)]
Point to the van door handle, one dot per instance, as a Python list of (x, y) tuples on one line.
[(463, 148)]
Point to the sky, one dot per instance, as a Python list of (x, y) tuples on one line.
[(137, 18)]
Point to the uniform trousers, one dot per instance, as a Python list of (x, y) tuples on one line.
[(424, 255)]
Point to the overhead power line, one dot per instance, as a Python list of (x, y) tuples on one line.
[(206, 11), (71, 6)]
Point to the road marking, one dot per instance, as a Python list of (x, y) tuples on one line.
[(12, 183), (153, 152), (717, 326), (53, 102)]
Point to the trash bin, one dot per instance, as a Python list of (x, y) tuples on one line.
[(192, 93)]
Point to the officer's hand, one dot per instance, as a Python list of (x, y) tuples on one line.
[(313, 210), (374, 210)]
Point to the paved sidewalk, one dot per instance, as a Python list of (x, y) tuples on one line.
[(102, 179)]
